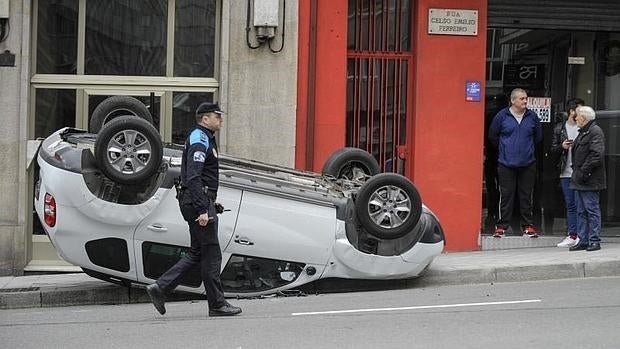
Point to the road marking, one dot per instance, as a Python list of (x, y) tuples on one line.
[(460, 305), (30, 313)]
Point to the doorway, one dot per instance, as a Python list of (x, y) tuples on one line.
[(560, 65)]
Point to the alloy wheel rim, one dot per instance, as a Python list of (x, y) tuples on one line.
[(389, 207), (129, 151)]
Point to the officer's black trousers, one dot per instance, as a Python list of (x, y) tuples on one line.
[(204, 250)]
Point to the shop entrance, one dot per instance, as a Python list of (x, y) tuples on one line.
[(560, 65)]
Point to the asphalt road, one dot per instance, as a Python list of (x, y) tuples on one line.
[(575, 313)]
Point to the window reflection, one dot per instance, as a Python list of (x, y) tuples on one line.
[(126, 37), (194, 38), (184, 106), (57, 37), (54, 109)]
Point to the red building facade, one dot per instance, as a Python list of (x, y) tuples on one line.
[(437, 136)]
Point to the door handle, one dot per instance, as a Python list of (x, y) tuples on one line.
[(242, 240), (158, 228)]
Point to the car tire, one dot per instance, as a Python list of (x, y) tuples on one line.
[(388, 206), (351, 163), (115, 106), (128, 150)]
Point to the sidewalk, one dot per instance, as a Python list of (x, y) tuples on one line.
[(527, 264)]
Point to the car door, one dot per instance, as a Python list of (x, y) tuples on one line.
[(276, 238), (163, 237)]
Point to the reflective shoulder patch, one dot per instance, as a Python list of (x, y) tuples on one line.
[(199, 156), (198, 136)]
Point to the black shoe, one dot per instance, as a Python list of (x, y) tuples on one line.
[(157, 297), (225, 310), (595, 246), (578, 247)]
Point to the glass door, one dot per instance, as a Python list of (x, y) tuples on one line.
[(567, 64)]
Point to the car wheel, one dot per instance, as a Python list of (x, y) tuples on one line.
[(114, 107), (128, 150), (351, 163), (388, 206)]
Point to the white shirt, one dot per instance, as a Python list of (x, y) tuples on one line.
[(572, 131)]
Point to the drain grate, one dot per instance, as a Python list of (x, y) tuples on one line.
[(23, 289)]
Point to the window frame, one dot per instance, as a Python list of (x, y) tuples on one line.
[(123, 84)]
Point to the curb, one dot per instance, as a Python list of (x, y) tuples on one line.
[(101, 292), (520, 273)]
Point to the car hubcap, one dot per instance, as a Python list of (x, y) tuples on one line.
[(129, 151), (389, 207)]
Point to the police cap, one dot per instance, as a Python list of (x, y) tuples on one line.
[(208, 107)]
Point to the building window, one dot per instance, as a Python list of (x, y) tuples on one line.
[(126, 37), (184, 106), (54, 109), (194, 44), (125, 47), (57, 34), (495, 61)]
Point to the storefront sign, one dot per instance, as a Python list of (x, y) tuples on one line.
[(541, 106), (530, 77), (472, 91), (576, 60), (452, 21)]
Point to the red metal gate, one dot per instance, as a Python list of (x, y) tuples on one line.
[(379, 60)]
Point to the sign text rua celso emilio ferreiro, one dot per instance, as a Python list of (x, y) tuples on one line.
[(452, 21)]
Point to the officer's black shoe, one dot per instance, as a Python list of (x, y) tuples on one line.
[(225, 310), (578, 247), (157, 297), (595, 246)]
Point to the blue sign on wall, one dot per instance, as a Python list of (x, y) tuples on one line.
[(472, 91)]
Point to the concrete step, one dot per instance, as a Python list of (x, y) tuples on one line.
[(489, 243)]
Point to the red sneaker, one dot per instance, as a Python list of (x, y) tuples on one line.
[(499, 232), (529, 231)]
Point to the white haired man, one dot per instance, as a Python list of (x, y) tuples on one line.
[(588, 179)]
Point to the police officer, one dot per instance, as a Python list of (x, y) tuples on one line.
[(199, 183)]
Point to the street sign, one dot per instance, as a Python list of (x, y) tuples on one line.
[(452, 21), (472, 91)]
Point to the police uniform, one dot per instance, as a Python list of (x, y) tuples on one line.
[(199, 178)]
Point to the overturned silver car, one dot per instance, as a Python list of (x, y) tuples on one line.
[(108, 203)]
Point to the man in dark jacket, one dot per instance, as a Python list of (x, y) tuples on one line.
[(515, 131), (588, 178)]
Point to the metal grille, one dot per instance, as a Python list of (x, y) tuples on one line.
[(378, 72)]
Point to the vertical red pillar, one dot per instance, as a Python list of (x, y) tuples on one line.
[(322, 81), (447, 132)]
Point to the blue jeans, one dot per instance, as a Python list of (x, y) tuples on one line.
[(589, 212), (571, 206)]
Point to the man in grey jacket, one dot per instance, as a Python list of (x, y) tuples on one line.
[(588, 179)]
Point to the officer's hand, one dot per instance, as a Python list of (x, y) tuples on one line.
[(219, 208), (203, 219)]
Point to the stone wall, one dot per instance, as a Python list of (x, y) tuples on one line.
[(259, 88), (13, 99)]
